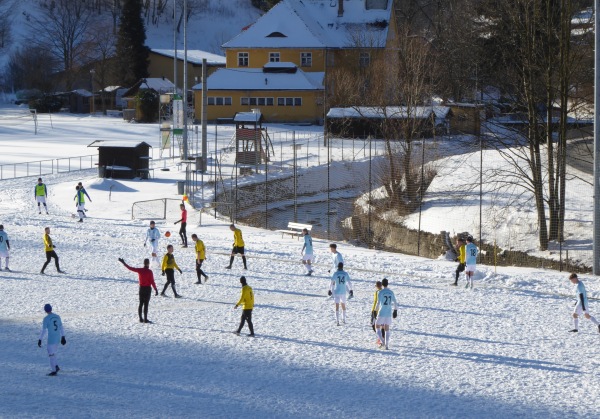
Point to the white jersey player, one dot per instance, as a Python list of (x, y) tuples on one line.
[(153, 236), (581, 306), (52, 325), (471, 252), (4, 248), (386, 302), (336, 257), (340, 282), (307, 252)]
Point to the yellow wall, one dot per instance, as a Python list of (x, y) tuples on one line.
[(259, 57), (161, 66), (310, 111)]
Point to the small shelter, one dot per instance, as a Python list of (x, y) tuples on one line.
[(249, 148), (123, 160)]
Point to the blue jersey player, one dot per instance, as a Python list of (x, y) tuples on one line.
[(52, 325), (386, 308), (581, 306), (340, 282), (4, 247), (471, 252), (307, 252)]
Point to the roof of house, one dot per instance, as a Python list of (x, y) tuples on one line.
[(157, 84), (255, 116), (315, 24), (256, 79), (390, 112), (118, 144), (194, 56)]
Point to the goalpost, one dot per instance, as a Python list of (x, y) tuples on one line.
[(14, 117)]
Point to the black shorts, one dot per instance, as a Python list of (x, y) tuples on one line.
[(238, 249)]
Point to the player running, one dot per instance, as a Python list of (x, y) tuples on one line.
[(146, 280), (4, 248), (307, 252), (80, 202), (50, 253), (336, 257), (53, 325), (581, 307), (153, 234), (385, 300), (40, 193), (340, 282), (471, 252), (238, 246), (200, 256), (183, 221), (247, 302), (168, 268)]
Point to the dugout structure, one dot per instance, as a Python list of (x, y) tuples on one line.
[(252, 142), (123, 160)]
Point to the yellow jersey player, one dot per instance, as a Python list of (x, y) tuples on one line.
[(200, 256), (168, 268), (238, 246), (247, 302)]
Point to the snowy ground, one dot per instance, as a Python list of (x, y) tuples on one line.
[(500, 350)]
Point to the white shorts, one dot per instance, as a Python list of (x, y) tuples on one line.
[(383, 321), (3, 253), (52, 349), (40, 199), (339, 298), (578, 309), (470, 268), (154, 247), (308, 258), (81, 207)]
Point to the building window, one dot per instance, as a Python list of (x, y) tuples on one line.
[(257, 101), (306, 59), (252, 101), (365, 59), (289, 101), (273, 57), (244, 101), (270, 101), (243, 59), (219, 101), (261, 101)]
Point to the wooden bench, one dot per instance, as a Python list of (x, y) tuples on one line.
[(295, 229)]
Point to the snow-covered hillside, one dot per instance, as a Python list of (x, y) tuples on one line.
[(501, 350)]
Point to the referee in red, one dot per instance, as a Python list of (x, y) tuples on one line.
[(146, 278)]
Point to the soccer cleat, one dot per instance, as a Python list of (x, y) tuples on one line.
[(57, 368), (245, 268), (454, 284), (386, 348), (198, 282), (467, 286), (141, 320), (227, 267), (7, 269), (52, 374), (250, 335), (338, 323), (184, 246), (162, 294), (47, 213), (206, 278), (80, 220), (147, 321), (177, 296), (40, 212), (42, 272), (599, 328), (574, 330), (61, 272), (236, 332), (378, 342)]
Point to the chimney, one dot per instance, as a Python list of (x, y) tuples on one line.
[(340, 8)]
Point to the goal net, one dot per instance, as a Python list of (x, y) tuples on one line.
[(156, 209)]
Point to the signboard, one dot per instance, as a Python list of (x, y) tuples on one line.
[(177, 115)]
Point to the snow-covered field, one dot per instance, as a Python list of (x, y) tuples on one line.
[(500, 350)]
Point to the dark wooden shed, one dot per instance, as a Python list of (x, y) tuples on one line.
[(123, 160)]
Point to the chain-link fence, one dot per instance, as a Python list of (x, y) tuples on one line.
[(412, 197)]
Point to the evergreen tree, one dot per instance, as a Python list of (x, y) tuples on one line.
[(132, 53)]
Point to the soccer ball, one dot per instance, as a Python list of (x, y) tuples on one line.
[(168, 234)]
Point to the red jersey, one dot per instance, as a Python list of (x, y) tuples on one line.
[(184, 216), (145, 276)]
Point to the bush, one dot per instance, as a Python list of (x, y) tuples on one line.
[(46, 104), (148, 102)]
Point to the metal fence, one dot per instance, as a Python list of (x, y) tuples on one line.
[(47, 167), (344, 188)]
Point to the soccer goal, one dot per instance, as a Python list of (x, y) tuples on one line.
[(155, 209), (15, 117)]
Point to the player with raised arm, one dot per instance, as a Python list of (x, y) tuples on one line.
[(80, 202), (168, 268), (52, 325), (200, 250), (40, 193), (581, 306), (386, 299), (307, 252), (340, 282), (336, 257), (471, 252), (146, 281), (4, 248), (153, 235), (183, 221)]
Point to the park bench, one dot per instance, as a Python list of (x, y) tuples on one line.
[(295, 229)]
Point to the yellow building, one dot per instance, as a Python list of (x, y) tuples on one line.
[(161, 64), (280, 63)]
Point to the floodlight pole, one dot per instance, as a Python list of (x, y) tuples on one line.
[(185, 102), (596, 237)]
